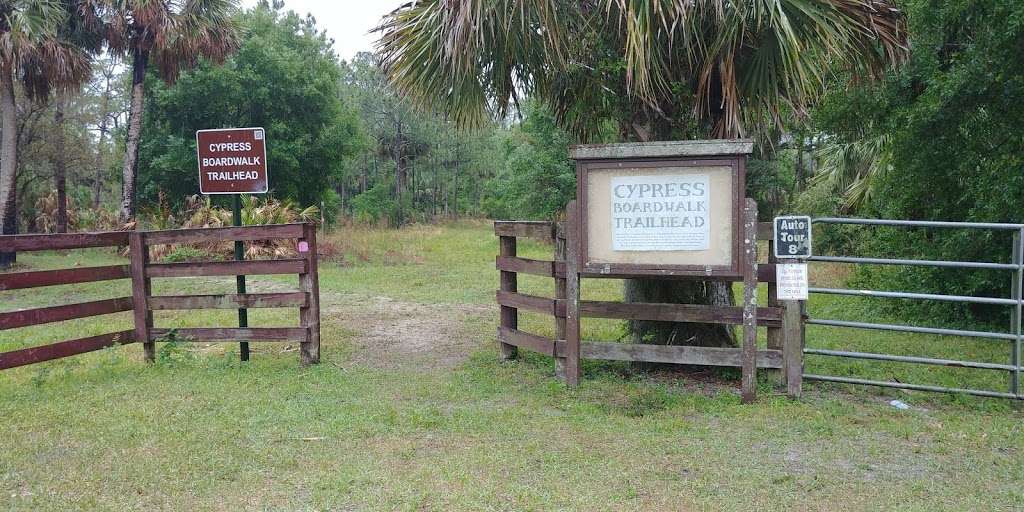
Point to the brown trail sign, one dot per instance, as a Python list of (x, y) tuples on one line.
[(232, 161)]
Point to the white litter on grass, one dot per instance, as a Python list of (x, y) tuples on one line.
[(899, 405)]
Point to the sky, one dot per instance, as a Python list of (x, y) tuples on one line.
[(346, 21)]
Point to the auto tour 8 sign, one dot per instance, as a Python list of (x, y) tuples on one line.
[(793, 237), (232, 161)]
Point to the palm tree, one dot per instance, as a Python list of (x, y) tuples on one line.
[(174, 35), (658, 69), (33, 52), (82, 29)]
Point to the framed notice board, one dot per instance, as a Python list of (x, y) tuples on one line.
[(661, 208)]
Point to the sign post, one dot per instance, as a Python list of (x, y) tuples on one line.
[(243, 314), (792, 248), (234, 161)]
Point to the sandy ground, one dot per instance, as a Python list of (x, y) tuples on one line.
[(390, 333)]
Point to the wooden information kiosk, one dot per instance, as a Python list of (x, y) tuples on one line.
[(659, 210), (677, 210)]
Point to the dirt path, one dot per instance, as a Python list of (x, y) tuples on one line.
[(391, 333), (387, 333)]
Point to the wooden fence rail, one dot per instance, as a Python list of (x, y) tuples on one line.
[(142, 302), (784, 324)]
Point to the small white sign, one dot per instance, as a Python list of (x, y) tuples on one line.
[(791, 281), (660, 213)]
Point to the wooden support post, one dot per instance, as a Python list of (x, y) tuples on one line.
[(774, 333), (749, 385), (141, 291), (309, 282), (793, 346), (572, 296), (509, 315), (775, 337), (560, 251)]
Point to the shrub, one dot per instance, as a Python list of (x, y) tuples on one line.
[(79, 219), (376, 205), (184, 253), (201, 213)]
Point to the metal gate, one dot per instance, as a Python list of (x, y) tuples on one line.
[(1013, 338)]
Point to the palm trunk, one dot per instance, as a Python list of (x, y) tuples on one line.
[(130, 168), (9, 226), (680, 292), (455, 187), (8, 161), (60, 168)]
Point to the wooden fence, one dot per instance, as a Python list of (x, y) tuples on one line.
[(142, 302), (783, 320)]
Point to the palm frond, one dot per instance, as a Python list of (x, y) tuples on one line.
[(735, 62), (851, 168), (36, 45), (175, 34)]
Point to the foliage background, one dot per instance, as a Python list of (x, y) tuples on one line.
[(284, 78), (953, 118)]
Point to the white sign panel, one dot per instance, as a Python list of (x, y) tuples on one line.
[(791, 281), (660, 213)]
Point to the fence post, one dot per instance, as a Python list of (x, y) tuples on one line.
[(1016, 291), (793, 335), (309, 282), (509, 315), (572, 294), (141, 290), (558, 231), (774, 333), (749, 377)]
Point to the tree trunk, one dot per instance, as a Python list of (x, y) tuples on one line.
[(130, 168), (399, 172), (9, 226), (362, 177), (455, 186), (680, 292), (801, 170), (97, 185), (8, 161), (60, 168)]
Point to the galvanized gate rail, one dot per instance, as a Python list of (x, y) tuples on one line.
[(1016, 334)]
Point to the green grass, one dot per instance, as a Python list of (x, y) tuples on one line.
[(378, 427)]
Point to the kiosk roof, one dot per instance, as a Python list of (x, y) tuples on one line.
[(666, 149)]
